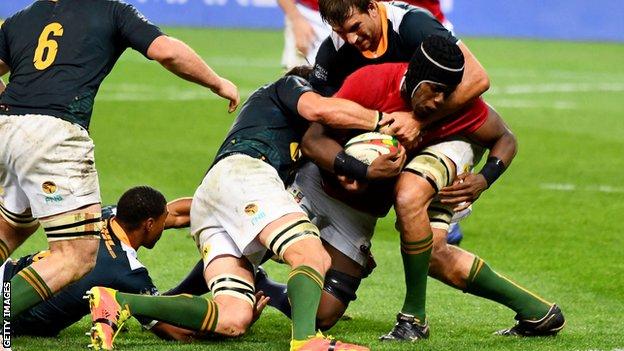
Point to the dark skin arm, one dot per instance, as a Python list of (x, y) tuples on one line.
[(322, 148), (498, 138), (179, 213)]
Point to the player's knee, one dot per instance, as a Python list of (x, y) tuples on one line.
[(313, 256), (412, 198), (79, 258), (234, 318)]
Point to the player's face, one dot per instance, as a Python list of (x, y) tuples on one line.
[(154, 230), (361, 29), (428, 97)]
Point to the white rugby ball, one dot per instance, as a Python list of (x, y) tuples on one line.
[(368, 146)]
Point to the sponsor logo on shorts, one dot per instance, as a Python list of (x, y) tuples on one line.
[(54, 198), (258, 217), (251, 209), (49, 187), (296, 194)]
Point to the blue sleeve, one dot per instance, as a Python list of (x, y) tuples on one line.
[(417, 25), (137, 32)]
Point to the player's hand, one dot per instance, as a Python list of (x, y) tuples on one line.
[(387, 166), (465, 190), (228, 90), (304, 35), (261, 303), (403, 126)]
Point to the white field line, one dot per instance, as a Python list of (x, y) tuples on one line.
[(572, 187), (521, 89), (556, 104)]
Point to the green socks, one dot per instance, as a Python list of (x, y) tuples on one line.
[(486, 283), (185, 311), (304, 286), (27, 290), (416, 266)]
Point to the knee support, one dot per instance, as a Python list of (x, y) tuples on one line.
[(283, 237), (434, 167), (73, 226), (232, 285), (341, 285)]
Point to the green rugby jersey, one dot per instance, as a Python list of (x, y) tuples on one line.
[(60, 51), (269, 127)]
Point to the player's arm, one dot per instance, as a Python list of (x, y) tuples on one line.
[(337, 113), (474, 83), (302, 30), (502, 144), (180, 59), (322, 148), (179, 213)]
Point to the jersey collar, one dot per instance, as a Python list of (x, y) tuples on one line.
[(119, 232)]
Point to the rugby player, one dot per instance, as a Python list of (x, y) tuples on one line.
[(58, 53), (304, 31), (139, 218), (425, 85), (369, 32), (241, 210)]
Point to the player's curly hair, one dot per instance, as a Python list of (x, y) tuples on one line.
[(139, 204), (336, 12)]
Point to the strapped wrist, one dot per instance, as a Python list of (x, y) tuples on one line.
[(492, 169), (350, 166)]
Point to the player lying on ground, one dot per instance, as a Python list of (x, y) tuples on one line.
[(58, 53), (241, 210), (141, 215)]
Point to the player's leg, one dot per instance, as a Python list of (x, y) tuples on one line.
[(469, 273), (428, 172), (54, 164), (296, 241)]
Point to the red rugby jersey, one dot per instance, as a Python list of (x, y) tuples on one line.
[(377, 87), (311, 4)]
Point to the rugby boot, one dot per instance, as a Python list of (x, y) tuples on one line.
[(548, 325), (107, 317), (319, 342), (407, 328)]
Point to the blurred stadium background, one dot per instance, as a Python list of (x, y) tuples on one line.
[(553, 222)]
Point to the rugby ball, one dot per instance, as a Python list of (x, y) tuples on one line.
[(368, 146)]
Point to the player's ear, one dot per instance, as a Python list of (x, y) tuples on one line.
[(148, 224)]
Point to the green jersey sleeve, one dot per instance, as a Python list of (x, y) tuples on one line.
[(137, 32)]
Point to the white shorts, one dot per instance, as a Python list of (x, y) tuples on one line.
[(238, 197), (47, 166), (343, 227), (291, 57)]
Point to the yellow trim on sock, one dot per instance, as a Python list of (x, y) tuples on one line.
[(525, 290)]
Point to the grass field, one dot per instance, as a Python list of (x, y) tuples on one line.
[(551, 223)]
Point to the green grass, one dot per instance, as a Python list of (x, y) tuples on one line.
[(551, 223)]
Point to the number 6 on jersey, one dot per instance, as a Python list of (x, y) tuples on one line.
[(41, 63)]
